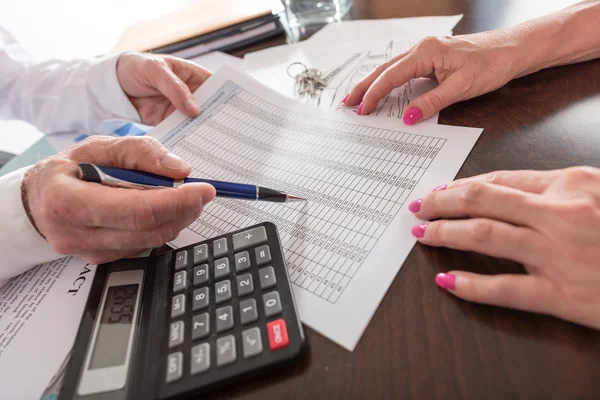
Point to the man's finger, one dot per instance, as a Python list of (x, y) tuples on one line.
[(529, 181), (522, 292), (480, 199), (174, 89), (139, 153), (358, 91), (485, 236)]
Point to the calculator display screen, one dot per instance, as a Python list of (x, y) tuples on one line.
[(116, 322)]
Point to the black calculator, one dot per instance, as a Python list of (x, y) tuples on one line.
[(181, 324)]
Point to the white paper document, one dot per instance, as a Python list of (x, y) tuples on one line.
[(342, 67), (40, 311), (345, 244)]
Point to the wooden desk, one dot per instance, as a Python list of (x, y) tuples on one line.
[(423, 343)]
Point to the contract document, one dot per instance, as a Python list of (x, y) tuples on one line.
[(347, 242)]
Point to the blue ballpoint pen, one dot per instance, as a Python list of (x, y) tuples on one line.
[(131, 179)]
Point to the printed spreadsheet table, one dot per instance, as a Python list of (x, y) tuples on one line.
[(355, 178), (345, 245)]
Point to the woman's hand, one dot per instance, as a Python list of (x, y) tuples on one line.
[(547, 220), (157, 85), (465, 66)]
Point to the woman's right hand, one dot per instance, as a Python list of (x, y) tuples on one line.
[(465, 66)]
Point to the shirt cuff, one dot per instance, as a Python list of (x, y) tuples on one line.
[(21, 246), (104, 84)]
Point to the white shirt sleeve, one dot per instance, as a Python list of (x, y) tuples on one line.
[(56, 96)]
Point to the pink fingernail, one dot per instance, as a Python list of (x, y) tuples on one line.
[(412, 116), (418, 230), (345, 98), (441, 187), (360, 107), (415, 205), (445, 281)]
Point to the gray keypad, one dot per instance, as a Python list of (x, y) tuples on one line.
[(178, 306), (200, 300), (174, 366), (267, 278), (200, 274), (176, 333), (225, 350), (263, 255), (248, 311), (224, 318), (200, 358), (181, 260), (272, 303), (200, 326), (251, 342), (220, 247), (221, 268), (245, 285), (180, 281), (249, 238), (222, 291), (200, 254), (242, 261)]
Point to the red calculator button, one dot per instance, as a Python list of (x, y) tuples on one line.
[(278, 336)]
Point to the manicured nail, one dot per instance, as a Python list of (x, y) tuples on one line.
[(445, 281), (171, 161), (191, 105), (441, 187), (360, 107), (415, 205), (412, 116), (418, 230), (345, 98)]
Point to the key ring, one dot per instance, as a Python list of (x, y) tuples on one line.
[(296, 63)]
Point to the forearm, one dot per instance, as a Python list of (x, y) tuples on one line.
[(566, 37)]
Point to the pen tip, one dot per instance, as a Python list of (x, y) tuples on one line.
[(295, 198)]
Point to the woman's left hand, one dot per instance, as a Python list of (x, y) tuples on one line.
[(547, 220), (157, 85)]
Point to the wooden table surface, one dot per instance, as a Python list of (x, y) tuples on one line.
[(423, 343)]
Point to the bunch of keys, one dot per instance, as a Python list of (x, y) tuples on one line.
[(308, 81)]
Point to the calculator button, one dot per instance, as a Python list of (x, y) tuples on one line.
[(178, 306), (200, 254), (181, 259), (220, 247), (200, 274), (242, 261), (200, 300), (180, 281), (249, 238), (245, 285), (226, 350), (221, 268), (200, 358), (248, 311), (200, 326), (224, 318), (174, 366), (263, 255), (176, 334), (267, 277), (251, 342), (278, 336), (222, 291), (272, 303)]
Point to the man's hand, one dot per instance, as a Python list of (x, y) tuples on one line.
[(100, 223), (547, 220), (157, 85)]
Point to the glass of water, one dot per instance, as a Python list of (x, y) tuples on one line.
[(303, 13)]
